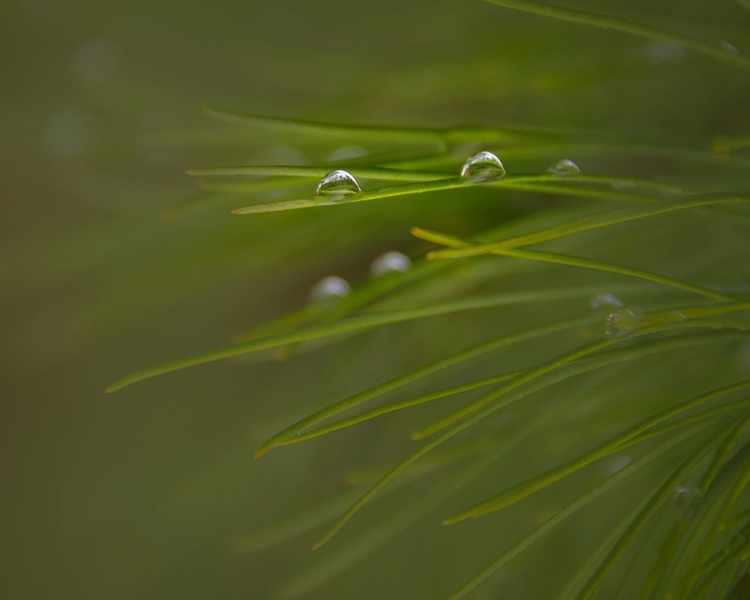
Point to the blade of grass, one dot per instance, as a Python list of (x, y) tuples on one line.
[(588, 263), (664, 491), (608, 358), (531, 182), (685, 565), (360, 322), (571, 591), (566, 512), (290, 433), (411, 175), (440, 136), (317, 129), (489, 409), (723, 452), (455, 416), (624, 26), (339, 561), (565, 229), (376, 173), (526, 488)]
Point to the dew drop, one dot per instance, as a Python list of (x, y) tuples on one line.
[(336, 185), (605, 300), (564, 168), (621, 323), (729, 47), (483, 166), (390, 262), (329, 289)]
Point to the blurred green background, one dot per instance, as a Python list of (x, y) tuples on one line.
[(140, 494)]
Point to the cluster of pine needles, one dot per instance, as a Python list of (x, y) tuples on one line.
[(685, 325)]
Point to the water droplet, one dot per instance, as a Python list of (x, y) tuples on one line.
[(337, 184), (483, 166), (330, 288), (729, 47), (605, 300), (390, 262), (564, 168), (346, 152), (622, 322)]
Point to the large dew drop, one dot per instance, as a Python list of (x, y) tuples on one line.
[(336, 185), (390, 262), (329, 289), (482, 167), (621, 323), (564, 168)]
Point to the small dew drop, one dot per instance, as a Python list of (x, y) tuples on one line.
[(482, 167), (390, 262), (621, 323), (564, 168), (729, 47), (605, 300), (329, 289), (336, 185)]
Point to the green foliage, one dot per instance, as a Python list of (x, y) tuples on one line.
[(486, 423)]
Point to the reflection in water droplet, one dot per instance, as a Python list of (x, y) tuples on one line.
[(622, 322), (390, 262), (483, 166), (95, 59), (337, 184), (564, 167), (329, 288), (347, 152), (68, 133), (605, 300)]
